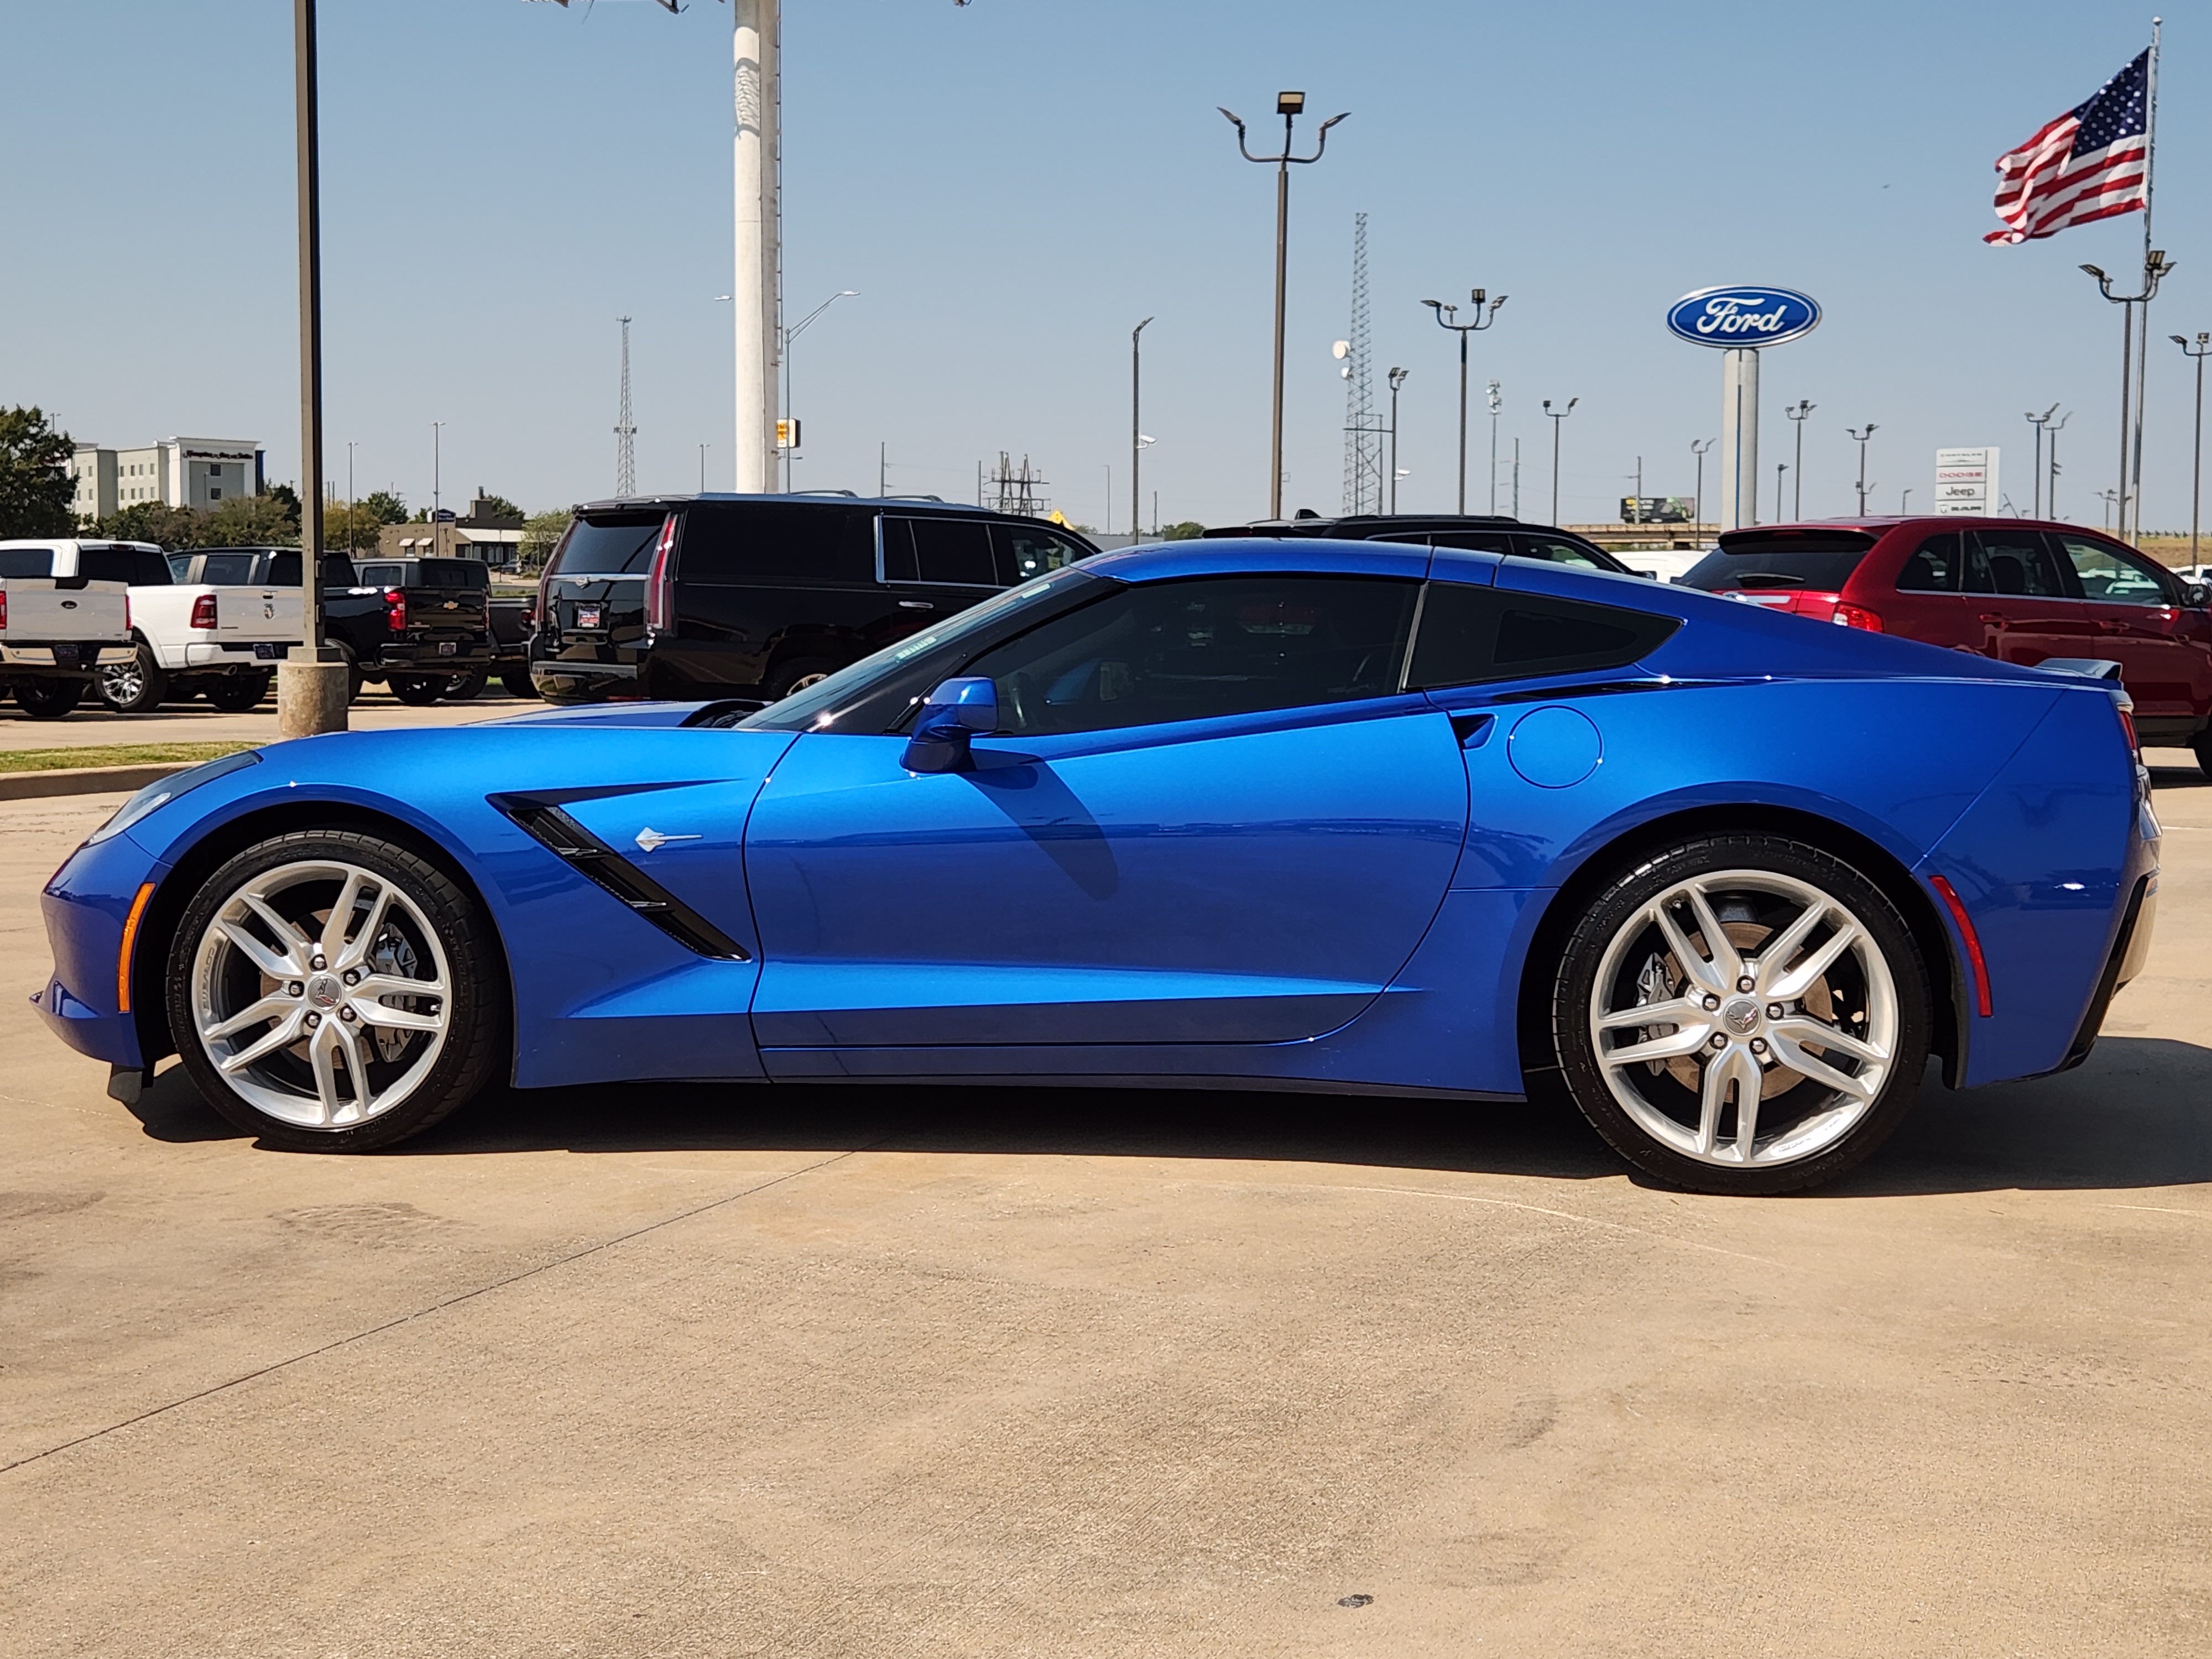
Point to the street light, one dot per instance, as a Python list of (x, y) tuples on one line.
[(2050, 496), (1397, 378), (1496, 402), (1290, 106), (1860, 439), (789, 334), (1697, 447), (1556, 416), (1780, 467), (2037, 422), (1483, 319), (2154, 269), (2196, 469), (1136, 427), (1797, 412)]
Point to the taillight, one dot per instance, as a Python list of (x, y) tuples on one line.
[(126, 612), (203, 610), (2128, 725), (660, 597), (395, 608), (1857, 616), (4, 606)]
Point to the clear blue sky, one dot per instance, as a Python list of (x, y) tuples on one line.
[(1012, 185)]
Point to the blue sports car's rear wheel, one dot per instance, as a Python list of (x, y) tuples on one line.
[(1742, 1014), (329, 991)]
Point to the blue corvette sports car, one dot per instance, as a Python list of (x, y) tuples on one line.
[(1279, 814)]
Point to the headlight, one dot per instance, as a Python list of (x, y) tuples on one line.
[(162, 791)]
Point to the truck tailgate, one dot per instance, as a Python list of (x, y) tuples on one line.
[(44, 608)]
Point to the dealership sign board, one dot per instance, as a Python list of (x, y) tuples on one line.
[(1743, 318), (1966, 481)]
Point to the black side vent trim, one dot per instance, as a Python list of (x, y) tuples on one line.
[(595, 860)]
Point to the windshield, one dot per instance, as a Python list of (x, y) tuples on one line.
[(848, 698), (1819, 561)]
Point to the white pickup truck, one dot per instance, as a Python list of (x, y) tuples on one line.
[(213, 620), (64, 614)]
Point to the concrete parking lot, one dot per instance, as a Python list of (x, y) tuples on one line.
[(872, 1372), (92, 725)]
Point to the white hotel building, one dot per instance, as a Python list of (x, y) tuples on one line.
[(180, 471)]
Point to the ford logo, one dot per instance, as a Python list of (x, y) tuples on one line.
[(1742, 317)]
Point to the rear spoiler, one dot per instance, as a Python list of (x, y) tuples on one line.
[(2088, 668)]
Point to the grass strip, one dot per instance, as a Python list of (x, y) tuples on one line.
[(117, 754)]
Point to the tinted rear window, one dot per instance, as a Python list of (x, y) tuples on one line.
[(1817, 561), (26, 561), (777, 544), (452, 572), (141, 567), (617, 544)]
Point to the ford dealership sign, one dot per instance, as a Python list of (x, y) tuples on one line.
[(1742, 317)]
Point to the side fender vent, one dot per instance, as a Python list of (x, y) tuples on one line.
[(598, 863)]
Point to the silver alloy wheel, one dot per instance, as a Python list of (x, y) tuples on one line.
[(123, 682), (804, 681), (1706, 1013), (310, 996)]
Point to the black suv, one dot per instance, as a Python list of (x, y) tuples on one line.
[(1476, 531), (704, 596)]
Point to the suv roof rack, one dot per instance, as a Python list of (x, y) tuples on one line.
[(940, 500)]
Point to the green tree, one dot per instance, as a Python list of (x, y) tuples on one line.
[(382, 507), (1188, 531), (500, 508), (540, 532), (252, 521), (166, 527), (35, 486)]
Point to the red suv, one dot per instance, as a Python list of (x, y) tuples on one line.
[(2010, 588)]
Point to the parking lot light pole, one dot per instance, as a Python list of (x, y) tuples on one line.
[(2037, 422), (2050, 494), (2132, 373), (1483, 319), (1290, 106), (2198, 351), (1796, 412), (1860, 439), (1397, 378), (311, 682), (790, 414), (1136, 427), (1557, 416), (1697, 447), (1496, 394)]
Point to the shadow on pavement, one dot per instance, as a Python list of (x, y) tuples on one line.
[(2139, 1115)]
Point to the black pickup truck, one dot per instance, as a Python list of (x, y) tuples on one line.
[(423, 626)]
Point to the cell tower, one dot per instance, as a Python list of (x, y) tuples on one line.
[(1362, 436), (625, 429), (1017, 491)]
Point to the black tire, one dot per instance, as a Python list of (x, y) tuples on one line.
[(354, 677), (796, 676), (1879, 984), (517, 683), (136, 687), (49, 700), (236, 693), (418, 690), (467, 686), (2202, 745), (474, 1007)]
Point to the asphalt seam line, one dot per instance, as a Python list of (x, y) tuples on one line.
[(436, 1307)]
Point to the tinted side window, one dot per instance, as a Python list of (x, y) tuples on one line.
[(1471, 541), (1211, 646), (956, 551), (26, 561), (1472, 635), (777, 544), (180, 567), (141, 567), (229, 569), (1026, 550), (619, 544), (1933, 567), (2109, 575), (1556, 549), (2012, 562)]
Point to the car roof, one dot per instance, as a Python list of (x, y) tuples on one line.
[(925, 504)]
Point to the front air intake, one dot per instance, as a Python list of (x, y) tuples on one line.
[(598, 863)]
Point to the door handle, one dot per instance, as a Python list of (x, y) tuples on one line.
[(917, 605), (2104, 627), (1994, 618)]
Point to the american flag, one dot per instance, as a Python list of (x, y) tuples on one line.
[(2092, 162)]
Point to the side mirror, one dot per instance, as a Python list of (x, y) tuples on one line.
[(949, 716), (2197, 596)]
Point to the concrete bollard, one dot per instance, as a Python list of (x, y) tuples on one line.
[(311, 697)]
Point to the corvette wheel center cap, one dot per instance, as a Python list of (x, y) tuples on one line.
[(1741, 1017), (325, 991)]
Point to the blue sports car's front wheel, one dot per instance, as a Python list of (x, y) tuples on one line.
[(330, 991), (1742, 1014)]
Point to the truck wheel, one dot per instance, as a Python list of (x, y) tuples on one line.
[(467, 686), (797, 675), (136, 687), (354, 676), (49, 700), (2202, 745), (236, 693), (517, 683), (419, 690)]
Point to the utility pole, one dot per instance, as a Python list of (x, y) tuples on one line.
[(2196, 466), (437, 474), (756, 288), (1397, 379), (1517, 479), (1496, 403), (1860, 439), (1483, 319), (625, 429), (2037, 422), (1558, 416), (1781, 467), (351, 536), (1136, 424), (1290, 106), (1797, 412)]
